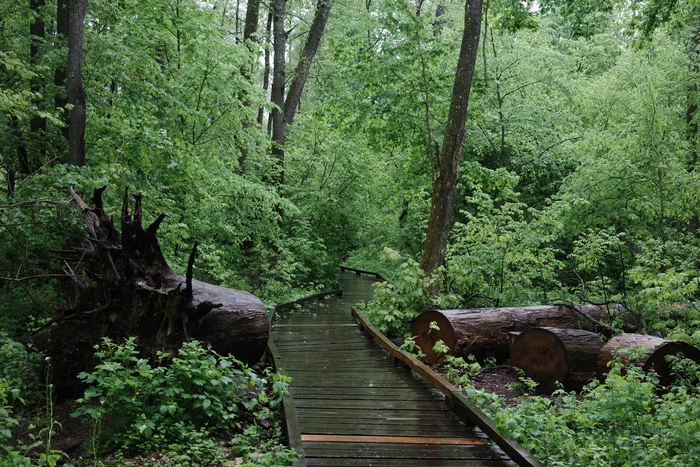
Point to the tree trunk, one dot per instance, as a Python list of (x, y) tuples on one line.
[(266, 69), (37, 125), (691, 112), (301, 73), (278, 81), (655, 349), (551, 355), (74, 83), (485, 332), (446, 179), (249, 31), (60, 101), (126, 288), (252, 14)]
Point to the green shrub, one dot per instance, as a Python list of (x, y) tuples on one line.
[(138, 407), (397, 303), (19, 370), (621, 422)]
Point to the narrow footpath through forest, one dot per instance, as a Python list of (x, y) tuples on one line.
[(355, 406)]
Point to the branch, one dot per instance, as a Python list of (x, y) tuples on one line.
[(187, 293)]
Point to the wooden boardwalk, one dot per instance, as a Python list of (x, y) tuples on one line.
[(355, 406)]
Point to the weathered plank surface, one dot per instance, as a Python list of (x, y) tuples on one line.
[(355, 406)]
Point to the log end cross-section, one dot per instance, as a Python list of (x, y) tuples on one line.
[(551, 355), (653, 357)]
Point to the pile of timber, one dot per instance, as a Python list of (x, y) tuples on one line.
[(486, 332), (574, 357), (551, 344), (550, 355)]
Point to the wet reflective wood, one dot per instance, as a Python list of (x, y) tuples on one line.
[(355, 406)]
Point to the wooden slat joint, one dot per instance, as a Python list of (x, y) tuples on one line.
[(383, 439)]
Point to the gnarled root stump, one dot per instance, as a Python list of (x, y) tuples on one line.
[(655, 350), (551, 355), (124, 287), (485, 332)]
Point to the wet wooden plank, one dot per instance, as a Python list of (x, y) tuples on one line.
[(300, 402), (375, 395), (364, 439), (347, 385), (313, 325), (387, 430), (389, 462), (464, 408), (374, 417)]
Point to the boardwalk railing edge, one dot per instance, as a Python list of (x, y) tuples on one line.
[(462, 406), (301, 301), (361, 272), (289, 414)]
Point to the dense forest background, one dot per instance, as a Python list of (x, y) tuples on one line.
[(578, 179), (292, 136)]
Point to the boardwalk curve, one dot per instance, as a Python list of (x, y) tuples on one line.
[(355, 406)]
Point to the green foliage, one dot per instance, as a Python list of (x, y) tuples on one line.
[(498, 255), (256, 450), (459, 371), (8, 422), (409, 345), (396, 304), (524, 385), (623, 421), (135, 406), (440, 348), (19, 372)]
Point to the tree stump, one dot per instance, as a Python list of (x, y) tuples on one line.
[(485, 332), (124, 287), (550, 355), (655, 351)]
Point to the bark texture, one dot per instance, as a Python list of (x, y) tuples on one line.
[(60, 101), (74, 83), (124, 287), (301, 74), (446, 177), (550, 355), (38, 32), (486, 332), (655, 349), (278, 80), (252, 14)]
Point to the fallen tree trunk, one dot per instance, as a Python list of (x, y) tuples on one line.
[(550, 355), (124, 288), (485, 332), (653, 357)]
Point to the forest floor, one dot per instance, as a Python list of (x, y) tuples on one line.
[(501, 380), (71, 433), (71, 436)]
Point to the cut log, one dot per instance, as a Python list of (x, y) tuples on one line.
[(485, 332), (550, 355), (238, 327), (655, 350)]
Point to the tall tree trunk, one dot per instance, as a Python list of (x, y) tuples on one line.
[(60, 101), (74, 83), (692, 110), (37, 29), (278, 80), (266, 71), (249, 30), (301, 74), (252, 14), (446, 179)]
